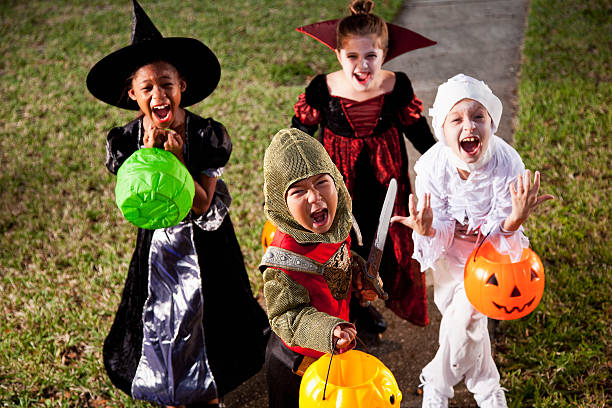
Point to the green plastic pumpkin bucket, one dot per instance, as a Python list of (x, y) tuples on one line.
[(154, 189)]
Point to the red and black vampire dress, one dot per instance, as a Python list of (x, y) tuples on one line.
[(364, 140)]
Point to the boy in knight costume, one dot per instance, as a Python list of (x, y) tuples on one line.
[(308, 267)]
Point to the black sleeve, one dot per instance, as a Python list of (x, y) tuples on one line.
[(317, 96), (311, 130), (419, 132), (121, 142), (213, 145), (420, 135)]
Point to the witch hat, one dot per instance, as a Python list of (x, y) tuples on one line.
[(401, 40), (108, 79)]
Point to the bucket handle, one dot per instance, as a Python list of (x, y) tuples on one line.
[(329, 367), (481, 242)]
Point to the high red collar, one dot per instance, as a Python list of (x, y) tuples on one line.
[(401, 40)]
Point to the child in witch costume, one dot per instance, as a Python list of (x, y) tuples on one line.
[(471, 182), (362, 112), (173, 340), (308, 269)]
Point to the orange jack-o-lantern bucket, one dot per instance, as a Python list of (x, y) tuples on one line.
[(356, 380), (267, 234), (502, 289)]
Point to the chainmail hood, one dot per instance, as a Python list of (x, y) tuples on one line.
[(293, 156)]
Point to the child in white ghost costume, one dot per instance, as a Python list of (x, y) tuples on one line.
[(470, 182)]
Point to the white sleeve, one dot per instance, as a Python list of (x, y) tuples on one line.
[(431, 179), (510, 166)]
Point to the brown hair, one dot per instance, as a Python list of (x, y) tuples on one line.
[(362, 23)]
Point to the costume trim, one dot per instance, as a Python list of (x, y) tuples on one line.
[(336, 271), (280, 258)]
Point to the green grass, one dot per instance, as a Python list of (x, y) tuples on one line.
[(559, 355), (65, 247)]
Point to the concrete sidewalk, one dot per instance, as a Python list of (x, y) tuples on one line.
[(480, 38)]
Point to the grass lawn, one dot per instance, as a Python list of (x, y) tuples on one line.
[(65, 247), (559, 355)]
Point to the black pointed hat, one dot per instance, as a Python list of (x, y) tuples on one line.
[(196, 63), (401, 40)]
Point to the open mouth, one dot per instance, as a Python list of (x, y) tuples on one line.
[(162, 112), (470, 145), (518, 309), (319, 217), (362, 77)]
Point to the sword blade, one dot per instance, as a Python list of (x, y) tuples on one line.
[(375, 255), (385, 215)]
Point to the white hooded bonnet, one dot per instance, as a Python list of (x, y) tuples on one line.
[(454, 90)]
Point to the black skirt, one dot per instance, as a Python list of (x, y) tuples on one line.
[(235, 326)]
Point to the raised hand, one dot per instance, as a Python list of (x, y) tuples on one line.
[(174, 144), (419, 221), (166, 139), (524, 199), (154, 137)]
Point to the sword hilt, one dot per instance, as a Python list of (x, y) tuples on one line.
[(373, 279), (369, 280), (371, 273)]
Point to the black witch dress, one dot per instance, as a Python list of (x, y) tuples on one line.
[(188, 328)]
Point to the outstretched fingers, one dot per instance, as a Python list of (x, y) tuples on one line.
[(412, 209), (520, 184), (543, 198), (419, 220), (407, 221), (426, 202), (536, 189), (528, 181)]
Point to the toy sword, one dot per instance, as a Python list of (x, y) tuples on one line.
[(376, 251)]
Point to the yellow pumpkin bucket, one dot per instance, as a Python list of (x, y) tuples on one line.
[(356, 379)]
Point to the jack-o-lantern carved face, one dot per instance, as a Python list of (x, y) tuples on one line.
[(501, 289), (267, 234)]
